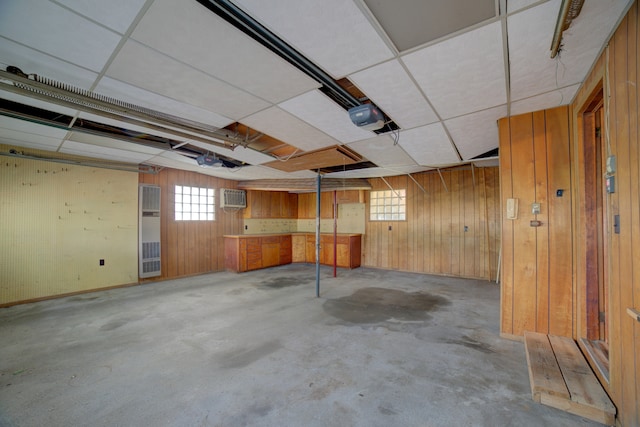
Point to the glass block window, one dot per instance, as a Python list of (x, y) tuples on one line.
[(388, 205), (194, 204)]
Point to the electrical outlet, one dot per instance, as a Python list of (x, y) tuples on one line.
[(101, 262)]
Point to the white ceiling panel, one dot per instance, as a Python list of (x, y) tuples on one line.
[(551, 99), (318, 110), (27, 134), (128, 93), (428, 145), (138, 65), (213, 46), (462, 74), (86, 138), (381, 151), (36, 103), (377, 172), (128, 126), (533, 71), (115, 14), (246, 155), (33, 62), (334, 34), (515, 5), (8, 123), (281, 125), (46, 27), (476, 133), (107, 153), (389, 86)]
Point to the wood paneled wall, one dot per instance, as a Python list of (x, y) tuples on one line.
[(433, 238), (536, 279), (617, 72), (192, 247)]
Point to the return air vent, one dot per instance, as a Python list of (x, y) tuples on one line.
[(230, 198)]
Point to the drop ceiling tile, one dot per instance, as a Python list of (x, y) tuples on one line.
[(215, 47), (10, 96), (50, 28), (318, 110), (33, 62), (462, 74), (128, 126), (389, 86), (476, 133), (8, 123), (107, 153), (533, 71), (27, 134), (377, 172), (334, 34), (428, 145), (242, 154), (115, 14), (141, 66), (102, 141), (381, 151), (144, 98), (411, 23), (544, 101), (516, 5), (288, 128)]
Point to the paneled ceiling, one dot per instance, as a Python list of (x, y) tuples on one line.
[(443, 72)]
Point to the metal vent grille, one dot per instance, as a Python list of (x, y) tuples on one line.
[(150, 198), (149, 237)]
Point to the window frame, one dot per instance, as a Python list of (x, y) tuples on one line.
[(394, 203), (204, 208)]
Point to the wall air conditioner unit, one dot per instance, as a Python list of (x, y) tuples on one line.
[(230, 198)]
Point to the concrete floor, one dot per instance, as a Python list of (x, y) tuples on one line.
[(378, 348)]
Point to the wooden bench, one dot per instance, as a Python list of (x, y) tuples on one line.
[(560, 377)]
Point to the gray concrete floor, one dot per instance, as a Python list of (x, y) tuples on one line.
[(377, 348)]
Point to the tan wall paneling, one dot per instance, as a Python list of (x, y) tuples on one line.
[(58, 221), (537, 288), (433, 237), (192, 247)]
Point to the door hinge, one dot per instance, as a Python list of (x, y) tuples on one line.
[(602, 316)]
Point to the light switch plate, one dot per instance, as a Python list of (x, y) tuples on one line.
[(535, 208)]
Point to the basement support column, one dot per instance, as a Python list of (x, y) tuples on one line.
[(318, 235)]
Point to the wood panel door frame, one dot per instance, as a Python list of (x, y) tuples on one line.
[(592, 280)]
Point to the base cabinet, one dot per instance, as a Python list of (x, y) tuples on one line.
[(245, 253)]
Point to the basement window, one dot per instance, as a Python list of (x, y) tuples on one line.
[(388, 205), (194, 203)]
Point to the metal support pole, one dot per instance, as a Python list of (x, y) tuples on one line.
[(335, 232), (318, 235)]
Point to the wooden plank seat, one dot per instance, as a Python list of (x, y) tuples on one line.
[(560, 377)]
